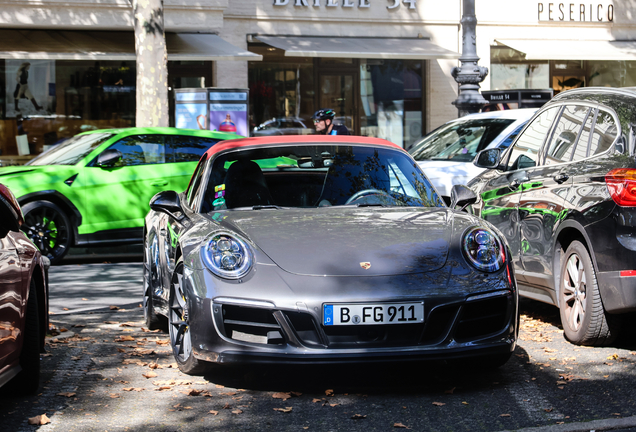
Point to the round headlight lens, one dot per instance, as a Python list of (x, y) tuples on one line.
[(483, 249), (227, 256)]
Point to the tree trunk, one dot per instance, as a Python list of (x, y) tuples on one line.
[(152, 63)]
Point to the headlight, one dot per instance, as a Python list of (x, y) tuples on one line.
[(227, 256), (483, 249)]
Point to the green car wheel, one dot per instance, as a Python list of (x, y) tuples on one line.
[(48, 227)]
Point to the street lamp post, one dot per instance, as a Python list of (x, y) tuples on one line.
[(468, 75)]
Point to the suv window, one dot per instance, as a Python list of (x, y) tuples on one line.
[(141, 150), (605, 132), (525, 152), (189, 148), (566, 133)]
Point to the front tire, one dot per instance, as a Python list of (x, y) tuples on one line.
[(49, 229), (581, 308), (179, 327), (153, 320)]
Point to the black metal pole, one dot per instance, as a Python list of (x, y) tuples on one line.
[(468, 75)]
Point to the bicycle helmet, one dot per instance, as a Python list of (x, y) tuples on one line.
[(324, 114)]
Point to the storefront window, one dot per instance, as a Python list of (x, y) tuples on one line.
[(612, 73), (510, 70), (58, 99), (391, 100)]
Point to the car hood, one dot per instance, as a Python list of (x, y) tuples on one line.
[(340, 241), (26, 179)]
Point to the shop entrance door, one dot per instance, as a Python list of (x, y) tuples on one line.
[(337, 91)]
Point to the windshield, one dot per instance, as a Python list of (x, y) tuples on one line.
[(71, 151), (317, 176), (459, 141)]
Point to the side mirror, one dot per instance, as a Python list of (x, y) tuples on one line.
[(108, 158), (11, 217), (462, 196), (488, 158), (168, 202)]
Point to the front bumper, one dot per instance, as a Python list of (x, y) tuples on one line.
[(229, 330)]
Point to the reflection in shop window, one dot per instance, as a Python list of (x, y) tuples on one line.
[(391, 100), (63, 98)]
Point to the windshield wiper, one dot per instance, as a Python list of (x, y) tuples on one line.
[(266, 206)]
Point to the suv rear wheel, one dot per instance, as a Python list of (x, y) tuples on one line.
[(582, 314)]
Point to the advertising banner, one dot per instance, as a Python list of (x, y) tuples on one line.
[(228, 111)]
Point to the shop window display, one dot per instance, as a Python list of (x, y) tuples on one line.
[(57, 99)]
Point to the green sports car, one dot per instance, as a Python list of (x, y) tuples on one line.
[(94, 189)]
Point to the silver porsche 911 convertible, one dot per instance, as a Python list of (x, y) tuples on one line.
[(314, 249)]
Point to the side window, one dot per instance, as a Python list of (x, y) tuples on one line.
[(566, 133), (605, 132), (510, 138), (525, 153), (141, 150), (195, 182), (189, 148), (583, 144)]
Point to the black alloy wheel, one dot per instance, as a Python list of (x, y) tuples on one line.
[(581, 308), (49, 229), (179, 327)]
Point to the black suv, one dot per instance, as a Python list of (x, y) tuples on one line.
[(564, 195)]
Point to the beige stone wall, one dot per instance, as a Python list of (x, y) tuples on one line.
[(179, 15)]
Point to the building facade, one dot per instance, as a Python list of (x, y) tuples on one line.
[(383, 65)]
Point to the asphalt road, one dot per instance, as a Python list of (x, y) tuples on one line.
[(107, 372)]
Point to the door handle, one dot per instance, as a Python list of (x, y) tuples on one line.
[(514, 184), (560, 178), (159, 184)]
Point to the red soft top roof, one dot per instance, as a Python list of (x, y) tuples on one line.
[(298, 139)]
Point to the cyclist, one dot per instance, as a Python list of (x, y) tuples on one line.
[(323, 121)]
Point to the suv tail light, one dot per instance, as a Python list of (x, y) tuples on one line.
[(621, 183)]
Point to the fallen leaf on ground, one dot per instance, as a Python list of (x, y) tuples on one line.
[(163, 342), (113, 307), (85, 299), (237, 411), (227, 406), (439, 403), (41, 419), (114, 395), (358, 416), (149, 375), (285, 410), (329, 392), (124, 338), (280, 395), (192, 392), (400, 425), (137, 389), (64, 308), (213, 412), (111, 322), (128, 324), (67, 394), (230, 393), (504, 415), (317, 400)]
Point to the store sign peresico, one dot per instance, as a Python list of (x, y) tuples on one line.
[(393, 4), (575, 12)]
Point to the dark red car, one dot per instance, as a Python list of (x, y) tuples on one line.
[(23, 300)]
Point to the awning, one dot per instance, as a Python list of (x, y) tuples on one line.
[(116, 45), (358, 47), (572, 49)]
